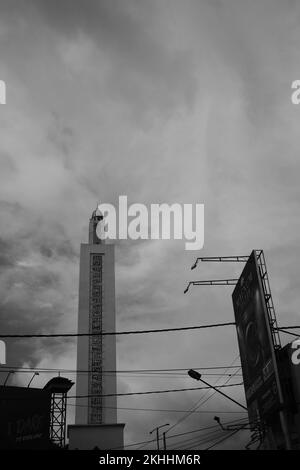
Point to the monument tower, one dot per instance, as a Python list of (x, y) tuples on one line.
[(96, 414)]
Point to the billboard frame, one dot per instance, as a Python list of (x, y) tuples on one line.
[(269, 322)]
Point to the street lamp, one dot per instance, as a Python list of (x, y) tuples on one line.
[(36, 373), (197, 376), (231, 427)]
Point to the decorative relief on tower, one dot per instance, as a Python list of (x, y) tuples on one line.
[(95, 342)]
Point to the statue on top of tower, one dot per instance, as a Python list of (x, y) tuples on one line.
[(97, 218)]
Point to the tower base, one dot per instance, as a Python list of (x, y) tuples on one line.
[(96, 436)]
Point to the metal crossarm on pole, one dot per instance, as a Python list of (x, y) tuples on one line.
[(213, 282), (220, 259)]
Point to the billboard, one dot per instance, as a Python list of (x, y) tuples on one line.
[(24, 417), (255, 343)]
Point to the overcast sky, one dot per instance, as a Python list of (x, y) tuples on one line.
[(162, 101)]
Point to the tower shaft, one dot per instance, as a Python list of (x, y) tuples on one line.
[(96, 354)]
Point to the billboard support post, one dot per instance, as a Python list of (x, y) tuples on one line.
[(275, 338), (58, 387)]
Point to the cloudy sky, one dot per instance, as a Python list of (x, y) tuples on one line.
[(162, 101)]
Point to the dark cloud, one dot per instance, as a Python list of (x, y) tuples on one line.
[(142, 71)]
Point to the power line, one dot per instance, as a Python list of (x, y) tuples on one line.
[(198, 430), (284, 330), (235, 421), (189, 412), (198, 377), (111, 333), (133, 444), (215, 391), (205, 436), (199, 440), (197, 443), (151, 392), (209, 438), (192, 444), (224, 439), (200, 402), (166, 410), (142, 375), (122, 371), (293, 327)]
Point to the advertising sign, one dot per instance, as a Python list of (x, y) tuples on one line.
[(24, 417), (255, 343)]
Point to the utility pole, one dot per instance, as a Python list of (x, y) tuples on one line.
[(164, 440), (157, 435)]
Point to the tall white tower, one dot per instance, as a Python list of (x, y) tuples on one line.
[(96, 413)]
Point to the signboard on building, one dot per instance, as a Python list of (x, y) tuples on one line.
[(255, 343), (24, 417)]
